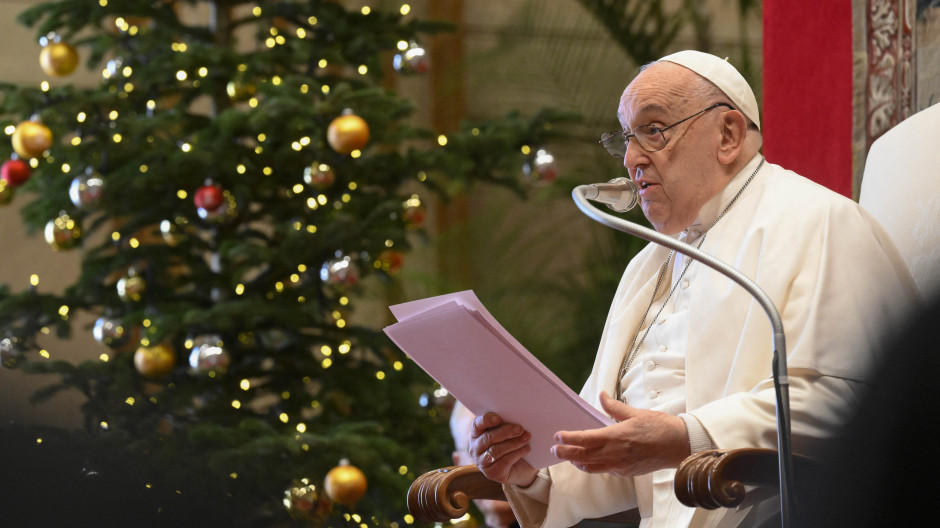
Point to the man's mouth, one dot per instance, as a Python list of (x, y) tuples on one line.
[(644, 185)]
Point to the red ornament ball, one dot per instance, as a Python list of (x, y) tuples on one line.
[(390, 261), (209, 197), (15, 172)]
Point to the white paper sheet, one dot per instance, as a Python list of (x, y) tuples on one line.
[(462, 346)]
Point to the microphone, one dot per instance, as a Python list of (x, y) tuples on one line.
[(619, 194)]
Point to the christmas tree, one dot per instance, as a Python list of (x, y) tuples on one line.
[(238, 172)]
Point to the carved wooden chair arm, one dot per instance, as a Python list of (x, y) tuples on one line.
[(723, 478), (445, 494)]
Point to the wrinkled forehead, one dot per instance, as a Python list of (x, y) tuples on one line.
[(659, 92)]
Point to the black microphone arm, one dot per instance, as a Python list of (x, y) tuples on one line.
[(581, 196)]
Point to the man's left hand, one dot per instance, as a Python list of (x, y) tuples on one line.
[(641, 442)]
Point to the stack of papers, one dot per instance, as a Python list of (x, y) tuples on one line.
[(459, 344)]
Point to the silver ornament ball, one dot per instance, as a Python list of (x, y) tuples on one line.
[(86, 190), (208, 355), (109, 332)]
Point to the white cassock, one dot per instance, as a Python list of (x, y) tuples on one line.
[(838, 283)]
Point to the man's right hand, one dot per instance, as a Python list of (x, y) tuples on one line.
[(497, 449)]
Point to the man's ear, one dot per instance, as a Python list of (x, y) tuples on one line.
[(733, 134)]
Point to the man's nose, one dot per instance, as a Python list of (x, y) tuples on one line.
[(634, 156)]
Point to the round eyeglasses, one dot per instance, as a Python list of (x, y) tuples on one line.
[(650, 138)]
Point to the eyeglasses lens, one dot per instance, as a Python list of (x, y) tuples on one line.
[(649, 137)]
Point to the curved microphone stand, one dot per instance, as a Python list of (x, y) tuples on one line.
[(781, 382)]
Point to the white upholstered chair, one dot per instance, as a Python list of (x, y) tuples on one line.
[(901, 188)]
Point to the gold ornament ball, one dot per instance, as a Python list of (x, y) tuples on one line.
[(58, 59), (345, 484), (347, 133), (6, 192), (31, 139), (131, 288), (63, 233), (306, 503), (240, 90), (154, 361)]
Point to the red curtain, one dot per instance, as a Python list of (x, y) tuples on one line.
[(807, 102)]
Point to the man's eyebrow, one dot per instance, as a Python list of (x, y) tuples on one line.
[(650, 108)]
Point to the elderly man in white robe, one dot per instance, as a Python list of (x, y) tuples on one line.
[(684, 363)]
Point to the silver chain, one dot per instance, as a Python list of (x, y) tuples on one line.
[(634, 346)]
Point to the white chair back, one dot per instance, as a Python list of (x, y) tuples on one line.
[(901, 189)]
